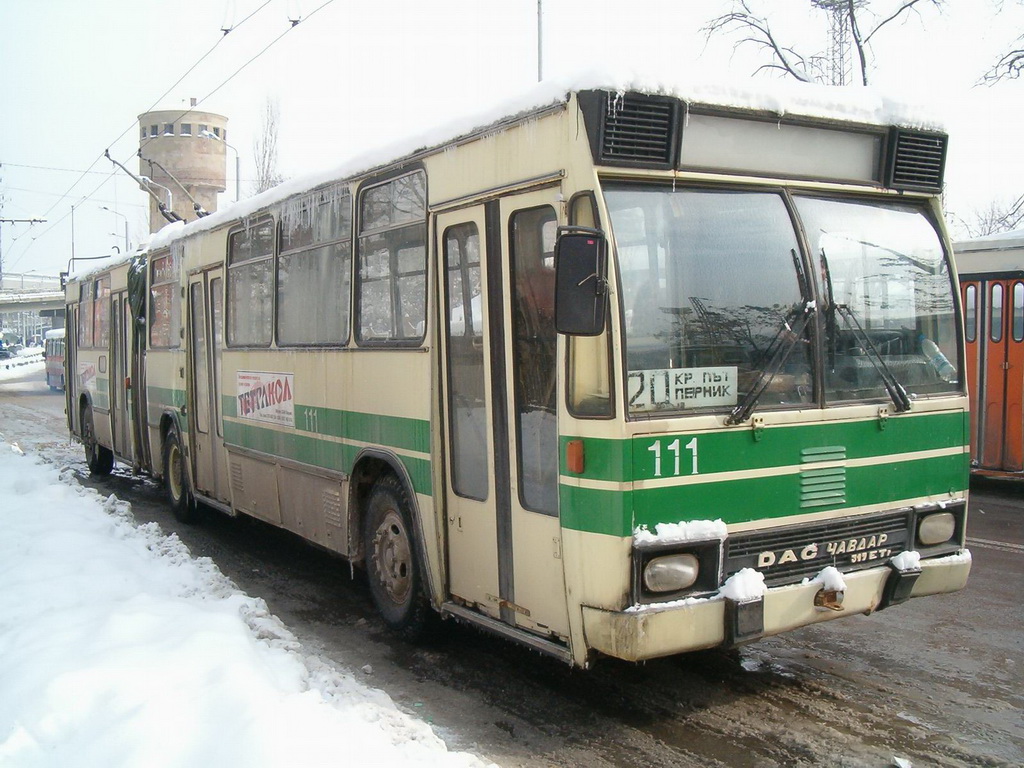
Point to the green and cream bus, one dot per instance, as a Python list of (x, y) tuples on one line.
[(622, 371)]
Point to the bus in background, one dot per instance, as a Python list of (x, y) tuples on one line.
[(617, 371), (991, 273), (53, 352), (98, 359)]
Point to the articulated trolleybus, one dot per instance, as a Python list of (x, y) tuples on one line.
[(627, 373)]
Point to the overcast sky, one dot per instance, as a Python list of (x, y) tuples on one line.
[(75, 75)]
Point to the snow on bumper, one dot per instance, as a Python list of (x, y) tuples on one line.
[(689, 625)]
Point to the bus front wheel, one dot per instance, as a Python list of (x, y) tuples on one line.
[(179, 496), (100, 460), (392, 563)]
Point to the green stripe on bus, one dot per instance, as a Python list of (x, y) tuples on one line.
[(393, 431), (316, 452), (738, 450), (618, 512), (595, 511), (165, 398)]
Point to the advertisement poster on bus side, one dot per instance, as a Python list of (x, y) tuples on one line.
[(266, 397)]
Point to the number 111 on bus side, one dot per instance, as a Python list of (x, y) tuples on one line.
[(676, 457)]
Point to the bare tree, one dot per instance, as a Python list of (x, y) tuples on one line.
[(997, 218), (265, 149), (852, 23), (1010, 65)]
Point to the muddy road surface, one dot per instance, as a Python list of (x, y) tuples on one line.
[(934, 682)]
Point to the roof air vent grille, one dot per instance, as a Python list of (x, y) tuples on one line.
[(916, 160), (632, 129)]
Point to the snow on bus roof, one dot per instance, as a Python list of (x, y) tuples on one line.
[(92, 267), (1001, 241), (859, 105)]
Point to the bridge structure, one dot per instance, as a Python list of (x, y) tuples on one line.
[(40, 302), (30, 304)]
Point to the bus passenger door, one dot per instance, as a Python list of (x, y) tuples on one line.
[(1013, 439), (528, 227), (504, 537), (206, 324), (119, 405), (974, 342), (1001, 387), (471, 520)]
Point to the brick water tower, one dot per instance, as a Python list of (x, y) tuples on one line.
[(184, 152)]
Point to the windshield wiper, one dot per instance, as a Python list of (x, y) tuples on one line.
[(896, 392), (779, 348)]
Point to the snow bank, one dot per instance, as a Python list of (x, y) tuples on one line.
[(117, 648), (25, 361)]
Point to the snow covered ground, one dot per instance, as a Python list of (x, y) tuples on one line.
[(24, 361), (118, 648)]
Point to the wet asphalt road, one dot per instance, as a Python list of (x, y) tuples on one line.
[(938, 682)]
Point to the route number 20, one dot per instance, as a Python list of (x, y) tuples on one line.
[(674, 454)]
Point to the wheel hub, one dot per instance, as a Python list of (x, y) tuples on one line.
[(393, 557)]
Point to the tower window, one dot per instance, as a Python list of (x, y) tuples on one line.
[(186, 129)]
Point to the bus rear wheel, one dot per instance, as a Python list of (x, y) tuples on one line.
[(392, 562), (100, 460), (179, 495)]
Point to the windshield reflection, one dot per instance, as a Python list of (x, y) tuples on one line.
[(887, 299), (713, 286)]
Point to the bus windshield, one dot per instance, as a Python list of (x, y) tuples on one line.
[(718, 310)]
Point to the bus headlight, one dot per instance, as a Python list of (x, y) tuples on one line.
[(936, 529), (671, 573)]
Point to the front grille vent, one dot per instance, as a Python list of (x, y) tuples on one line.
[(790, 554), (916, 160), (632, 129), (823, 486)]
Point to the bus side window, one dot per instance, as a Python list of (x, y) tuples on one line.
[(466, 366), (971, 312), (1018, 311), (996, 313), (250, 285), (165, 299), (532, 237), (392, 261), (590, 374)]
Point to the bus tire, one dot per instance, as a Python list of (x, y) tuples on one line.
[(100, 460), (179, 495), (392, 561)]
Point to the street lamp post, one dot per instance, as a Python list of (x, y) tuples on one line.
[(238, 173), (126, 245)]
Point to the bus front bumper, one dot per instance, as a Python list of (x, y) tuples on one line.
[(651, 631)]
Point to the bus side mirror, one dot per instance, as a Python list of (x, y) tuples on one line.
[(581, 296)]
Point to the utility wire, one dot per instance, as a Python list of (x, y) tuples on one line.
[(132, 125)]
